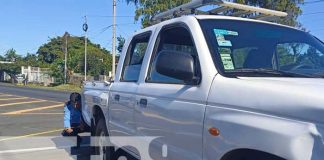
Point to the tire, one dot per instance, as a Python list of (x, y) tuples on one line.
[(248, 154), (87, 128), (101, 137), (92, 128)]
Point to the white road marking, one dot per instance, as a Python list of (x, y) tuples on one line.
[(33, 149)]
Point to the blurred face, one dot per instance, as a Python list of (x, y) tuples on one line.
[(77, 105)]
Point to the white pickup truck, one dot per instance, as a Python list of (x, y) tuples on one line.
[(215, 87)]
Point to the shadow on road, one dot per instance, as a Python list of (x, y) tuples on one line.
[(69, 145), (85, 151)]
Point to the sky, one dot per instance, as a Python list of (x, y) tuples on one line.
[(26, 25)]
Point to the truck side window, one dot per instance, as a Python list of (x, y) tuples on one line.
[(134, 57), (176, 38)]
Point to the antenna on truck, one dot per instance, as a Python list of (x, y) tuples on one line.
[(223, 7)]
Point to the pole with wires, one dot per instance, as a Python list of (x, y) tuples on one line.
[(114, 41), (85, 29), (65, 57)]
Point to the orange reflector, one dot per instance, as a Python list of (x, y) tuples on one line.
[(214, 131)]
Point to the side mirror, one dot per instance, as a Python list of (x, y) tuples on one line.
[(178, 65)]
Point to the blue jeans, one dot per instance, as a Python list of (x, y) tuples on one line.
[(76, 131)]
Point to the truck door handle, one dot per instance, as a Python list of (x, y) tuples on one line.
[(117, 97), (143, 102)]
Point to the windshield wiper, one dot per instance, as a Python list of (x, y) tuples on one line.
[(271, 72)]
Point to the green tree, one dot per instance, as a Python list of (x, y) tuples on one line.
[(12, 56), (51, 53), (12, 69), (31, 60), (121, 42), (289, 6), (57, 70), (98, 63), (52, 50), (146, 9)]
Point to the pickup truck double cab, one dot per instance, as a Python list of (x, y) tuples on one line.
[(214, 87)]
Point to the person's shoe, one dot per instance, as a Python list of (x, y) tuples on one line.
[(79, 141)]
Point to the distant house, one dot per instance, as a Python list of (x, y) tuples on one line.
[(37, 75)]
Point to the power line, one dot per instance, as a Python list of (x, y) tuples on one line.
[(124, 33), (102, 31), (125, 24), (107, 16), (108, 27), (312, 2)]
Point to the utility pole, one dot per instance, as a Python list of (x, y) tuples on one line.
[(114, 40), (85, 29), (65, 57)]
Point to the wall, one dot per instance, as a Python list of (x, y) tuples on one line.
[(37, 75)]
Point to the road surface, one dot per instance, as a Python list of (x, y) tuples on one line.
[(31, 121)]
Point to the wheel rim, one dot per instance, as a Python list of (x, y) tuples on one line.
[(102, 147)]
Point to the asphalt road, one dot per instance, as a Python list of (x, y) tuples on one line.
[(31, 121)]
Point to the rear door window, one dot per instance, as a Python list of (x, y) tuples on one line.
[(134, 58)]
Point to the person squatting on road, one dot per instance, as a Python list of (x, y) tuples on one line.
[(72, 117)]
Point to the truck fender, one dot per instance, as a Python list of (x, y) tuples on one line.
[(96, 101), (286, 138)]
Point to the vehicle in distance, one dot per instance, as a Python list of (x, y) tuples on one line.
[(215, 87)]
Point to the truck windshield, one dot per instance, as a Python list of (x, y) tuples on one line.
[(243, 48)]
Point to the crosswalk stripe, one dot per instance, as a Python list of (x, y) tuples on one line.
[(28, 102), (32, 109), (30, 135), (8, 99)]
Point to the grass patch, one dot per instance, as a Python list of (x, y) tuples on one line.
[(68, 87), (63, 87)]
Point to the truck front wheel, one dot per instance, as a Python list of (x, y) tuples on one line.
[(103, 149)]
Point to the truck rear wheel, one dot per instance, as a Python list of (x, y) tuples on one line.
[(102, 151), (249, 154)]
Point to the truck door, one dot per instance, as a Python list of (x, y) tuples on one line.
[(167, 107), (122, 96)]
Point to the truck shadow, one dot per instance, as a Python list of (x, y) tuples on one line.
[(69, 144), (85, 151)]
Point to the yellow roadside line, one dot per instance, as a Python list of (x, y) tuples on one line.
[(8, 95), (53, 101), (16, 96), (8, 99), (30, 135), (33, 109), (43, 113), (11, 104)]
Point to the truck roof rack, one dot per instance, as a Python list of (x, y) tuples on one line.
[(245, 11)]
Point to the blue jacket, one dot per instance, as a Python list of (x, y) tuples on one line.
[(71, 115)]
